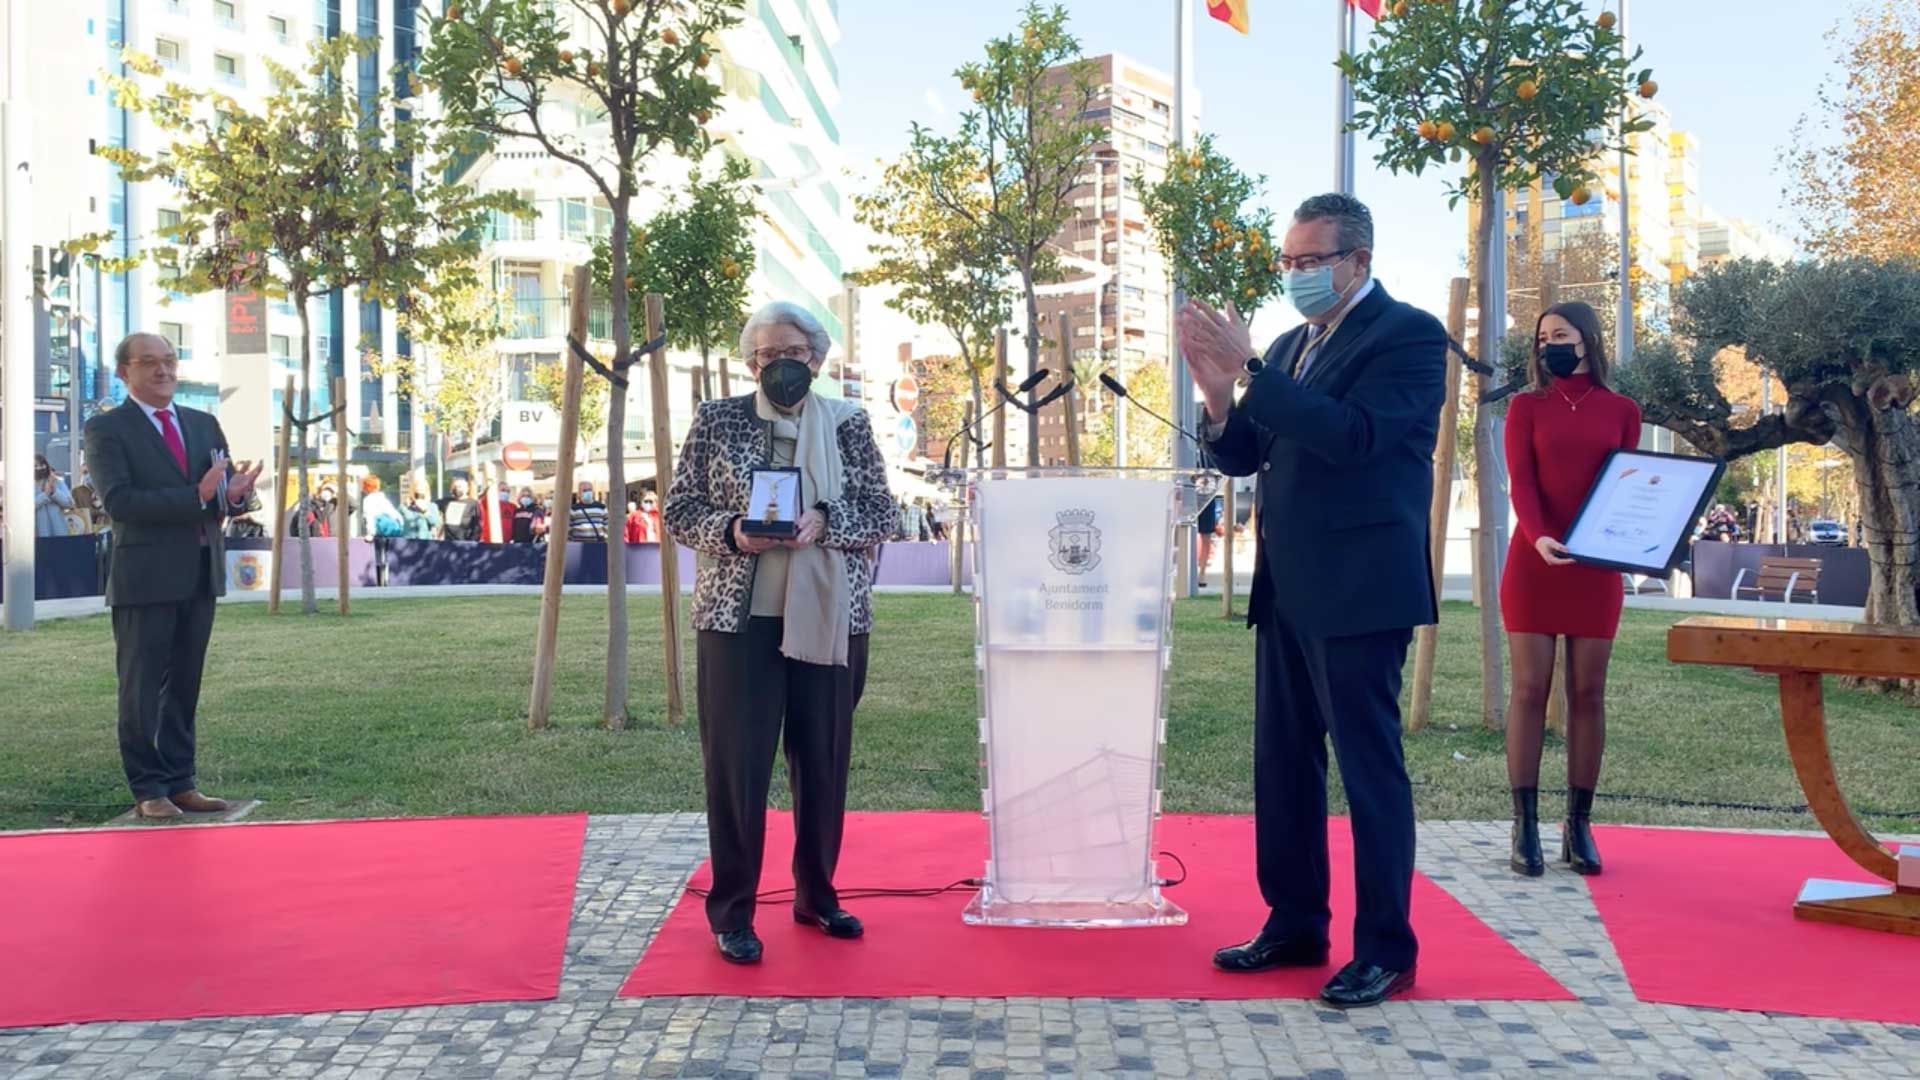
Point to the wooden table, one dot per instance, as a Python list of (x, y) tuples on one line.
[(1801, 652)]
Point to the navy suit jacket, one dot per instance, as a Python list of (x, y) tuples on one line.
[(158, 518), (1344, 459)]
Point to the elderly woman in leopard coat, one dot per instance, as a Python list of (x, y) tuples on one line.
[(783, 624)]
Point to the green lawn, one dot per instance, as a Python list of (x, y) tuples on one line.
[(414, 707)]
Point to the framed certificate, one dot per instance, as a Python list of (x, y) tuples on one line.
[(1641, 511), (773, 507)]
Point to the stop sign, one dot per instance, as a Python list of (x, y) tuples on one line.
[(906, 393), (517, 456)]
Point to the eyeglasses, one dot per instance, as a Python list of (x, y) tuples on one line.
[(790, 352), (1314, 261), (171, 363)]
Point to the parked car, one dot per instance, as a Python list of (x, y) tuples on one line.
[(1823, 531)]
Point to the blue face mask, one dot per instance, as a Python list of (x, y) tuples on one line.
[(1312, 291)]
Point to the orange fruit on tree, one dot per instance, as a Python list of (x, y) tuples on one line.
[(1483, 135), (621, 7), (669, 36), (1400, 9), (1428, 129), (1607, 20), (1581, 196), (631, 283), (1649, 88), (1444, 132), (593, 67), (701, 60), (566, 56), (1526, 90), (512, 64), (453, 12)]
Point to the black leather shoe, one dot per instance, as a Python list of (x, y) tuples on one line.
[(1359, 985), (739, 946), (1270, 951), (1527, 859), (838, 923), (1577, 848)]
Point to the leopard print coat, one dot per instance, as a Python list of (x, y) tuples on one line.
[(710, 488)]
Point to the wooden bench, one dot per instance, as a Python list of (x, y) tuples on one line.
[(1781, 579), (1801, 652)]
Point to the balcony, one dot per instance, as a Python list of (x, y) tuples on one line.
[(563, 220), (545, 317)]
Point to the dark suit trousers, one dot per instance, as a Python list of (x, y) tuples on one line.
[(1306, 689), (160, 650), (747, 693)]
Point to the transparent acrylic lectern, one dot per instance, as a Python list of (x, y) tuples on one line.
[(1073, 593)]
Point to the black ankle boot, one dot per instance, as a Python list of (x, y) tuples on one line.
[(1527, 858), (1576, 842)]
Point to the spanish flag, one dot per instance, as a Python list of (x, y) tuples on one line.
[(1371, 7), (1231, 12)]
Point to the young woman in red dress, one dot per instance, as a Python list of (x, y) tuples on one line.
[(1558, 436)]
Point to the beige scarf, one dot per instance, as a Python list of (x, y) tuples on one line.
[(819, 605)]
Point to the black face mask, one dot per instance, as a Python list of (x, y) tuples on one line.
[(1560, 359), (786, 381)]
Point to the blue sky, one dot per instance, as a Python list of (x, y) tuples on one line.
[(1737, 75)]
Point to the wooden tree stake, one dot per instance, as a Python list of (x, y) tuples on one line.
[(1000, 415), (662, 480), (340, 485), (547, 639), (283, 466), (1226, 556), (1426, 639), (1073, 394)]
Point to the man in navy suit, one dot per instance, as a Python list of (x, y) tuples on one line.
[(1338, 423), (163, 473)]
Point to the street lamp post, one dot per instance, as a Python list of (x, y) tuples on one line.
[(16, 347)]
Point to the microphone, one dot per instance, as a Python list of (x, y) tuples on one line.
[(1006, 396), (1120, 390)]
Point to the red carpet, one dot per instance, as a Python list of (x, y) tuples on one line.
[(1706, 918), (170, 923), (920, 947)]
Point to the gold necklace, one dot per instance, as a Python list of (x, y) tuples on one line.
[(1573, 405)]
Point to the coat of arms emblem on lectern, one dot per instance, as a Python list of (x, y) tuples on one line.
[(1073, 546)]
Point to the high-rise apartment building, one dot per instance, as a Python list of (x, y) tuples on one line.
[(780, 86), (1122, 322), (69, 202)]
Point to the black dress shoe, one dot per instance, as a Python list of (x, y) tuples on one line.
[(1527, 859), (1359, 985), (739, 946), (838, 923), (1577, 848), (1271, 951)]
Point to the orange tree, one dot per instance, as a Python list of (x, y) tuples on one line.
[(1516, 91), (1221, 249), (1023, 147), (638, 73), (697, 253)]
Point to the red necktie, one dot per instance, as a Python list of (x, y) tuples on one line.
[(172, 435)]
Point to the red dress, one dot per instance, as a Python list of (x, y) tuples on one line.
[(1556, 442)]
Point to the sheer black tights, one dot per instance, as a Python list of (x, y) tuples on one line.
[(1586, 673)]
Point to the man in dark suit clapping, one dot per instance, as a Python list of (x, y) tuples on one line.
[(163, 475), (1338, 423)]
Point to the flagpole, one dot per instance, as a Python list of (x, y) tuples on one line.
[(1183, 452), (1346, 39)]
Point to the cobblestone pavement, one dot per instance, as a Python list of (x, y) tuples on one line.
[(632, 872)]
